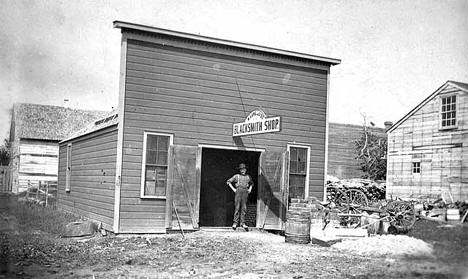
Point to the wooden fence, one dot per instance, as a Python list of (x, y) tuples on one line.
[(5, 179), (43, 193)]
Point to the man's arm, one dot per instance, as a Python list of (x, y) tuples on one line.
[(251, 184), (229, 183)]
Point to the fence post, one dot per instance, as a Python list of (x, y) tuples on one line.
[(37, 191), (47, 193)]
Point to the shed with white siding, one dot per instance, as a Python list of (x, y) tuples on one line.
[(191, 108), (428, 147), (35, 132)]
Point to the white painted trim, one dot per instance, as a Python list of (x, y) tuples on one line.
[(306, 187), (68, 168), (457, 111), (143, 162), (120, 133), (327, 115), (231, 147)]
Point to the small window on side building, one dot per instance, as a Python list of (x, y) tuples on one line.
[(416, 167), (155, 165), (68, 170)]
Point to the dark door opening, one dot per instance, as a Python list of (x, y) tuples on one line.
[(216, 198)]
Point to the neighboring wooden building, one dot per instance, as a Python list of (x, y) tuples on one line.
[(428, 147), (186, 105), (35, 132), (342, 162)]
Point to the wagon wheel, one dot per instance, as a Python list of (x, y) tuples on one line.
[(340, 203), (356, 199), (402, 215)]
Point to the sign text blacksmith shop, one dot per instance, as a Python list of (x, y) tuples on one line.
[(256, 123)]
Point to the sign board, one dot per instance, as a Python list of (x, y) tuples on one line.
[(256, 123)]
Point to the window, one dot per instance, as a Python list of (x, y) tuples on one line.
[(416, 167), (298, 172), (449, 112), (155, 164), (68, 170)]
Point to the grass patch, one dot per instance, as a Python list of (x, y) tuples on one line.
[(36, 217)]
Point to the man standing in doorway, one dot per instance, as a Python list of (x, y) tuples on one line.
[(242, 187)]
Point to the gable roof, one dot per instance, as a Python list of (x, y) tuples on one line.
[(107, 120), (460, 85), (46, 122)]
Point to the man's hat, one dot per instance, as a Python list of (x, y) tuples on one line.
[(242, 166)]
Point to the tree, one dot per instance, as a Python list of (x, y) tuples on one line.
[(372, 154), (5, 153)]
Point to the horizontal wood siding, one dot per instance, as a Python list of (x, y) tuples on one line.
[(38, 161), (92, 178), (342, 153), (197, 96), (443, 154)]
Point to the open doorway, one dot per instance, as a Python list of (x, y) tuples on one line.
[(216, 198)]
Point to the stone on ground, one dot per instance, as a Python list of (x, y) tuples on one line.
[(84, 228)]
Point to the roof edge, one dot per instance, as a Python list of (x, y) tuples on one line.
[(127, 25), (425, 101), (73, 137)]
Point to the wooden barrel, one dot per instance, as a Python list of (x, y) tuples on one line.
[(297, 228), (453, 214)]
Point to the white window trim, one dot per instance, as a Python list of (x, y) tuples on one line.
[(306, 187), (143, 163), (457, 101), (68, 168), (412, 168)]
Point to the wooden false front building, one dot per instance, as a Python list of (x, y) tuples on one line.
[(191, 109)]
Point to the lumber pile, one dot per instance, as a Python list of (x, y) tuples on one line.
[(374, 190)]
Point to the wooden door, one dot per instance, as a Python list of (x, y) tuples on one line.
[(273, 191), (183, 187)]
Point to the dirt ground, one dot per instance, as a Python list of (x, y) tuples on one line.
[(28, 252)]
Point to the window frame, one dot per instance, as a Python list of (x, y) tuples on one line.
[(413, 167), (307, 175), (68, 168), (456, 111), (143, 163)]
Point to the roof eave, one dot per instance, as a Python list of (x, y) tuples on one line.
[(87, 133), (425, 101), (145, 28)]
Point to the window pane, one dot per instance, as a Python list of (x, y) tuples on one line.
[(162, 158), (152, 142), (150, 173), (155, 183), (149, 188), (444, 123), (296, 186), (444, 101), (151, 156), (163, 143), (293, 153), (293, 167), (302, 154), (301, 168)]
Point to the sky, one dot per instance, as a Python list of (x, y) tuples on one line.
[(394, 53)]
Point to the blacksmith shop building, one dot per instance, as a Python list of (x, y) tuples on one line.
[(191, 108)]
